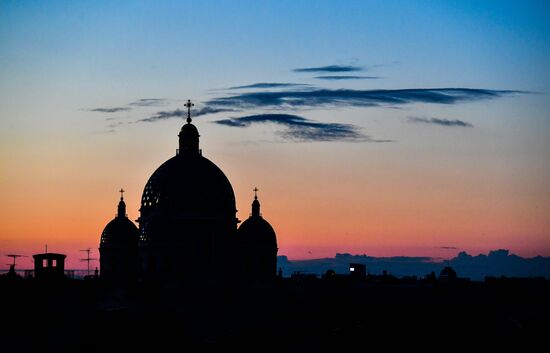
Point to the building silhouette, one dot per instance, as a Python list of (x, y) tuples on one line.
[(257, 246), (118, 247), (49, 266), (357, 270), (188, 227), (448, 274)]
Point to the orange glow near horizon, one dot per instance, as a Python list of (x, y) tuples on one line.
[(317, 210)]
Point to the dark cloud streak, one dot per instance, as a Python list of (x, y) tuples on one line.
[(301, 129), (209, 110), (179, 113), (149, 102), (110, 110), (442, 122), (338, 78), (358, 98), (269, 85), (330, 68)]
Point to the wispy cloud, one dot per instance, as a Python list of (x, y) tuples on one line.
[(338, 78), (179, 113), (442, 122), (269, 85), (110, 110), (330, 68), (144, 102), (210, 110), (449, 248), (115, 124), (149, 102), (163, 115), (301, 129), (106, 131), (348, 97)]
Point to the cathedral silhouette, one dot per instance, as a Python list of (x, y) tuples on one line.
[(188, 232)]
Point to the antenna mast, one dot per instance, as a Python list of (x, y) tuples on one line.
[(88, 258), (15, 256)]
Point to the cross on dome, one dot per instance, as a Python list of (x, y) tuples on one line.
[(188, 105), (121, 204), (256, 204)]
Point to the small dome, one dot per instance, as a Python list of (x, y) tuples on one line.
[(120, 232), (257, 231), (257, 246), (189, 130)]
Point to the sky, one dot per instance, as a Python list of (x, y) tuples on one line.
[(370, 127)]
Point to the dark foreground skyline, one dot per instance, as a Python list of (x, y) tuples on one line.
[(476, 267), (496, 263), (333, 313)]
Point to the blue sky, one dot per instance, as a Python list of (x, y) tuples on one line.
[(494, 44)]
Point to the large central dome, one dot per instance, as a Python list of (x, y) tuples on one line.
[(188, 186), (187, 217)]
